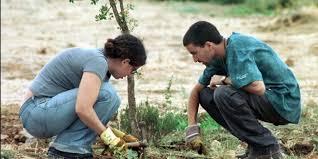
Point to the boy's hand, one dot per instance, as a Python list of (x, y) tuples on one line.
[(193, 139)]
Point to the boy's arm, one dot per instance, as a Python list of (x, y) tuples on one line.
[(193, 104), (256, 87)]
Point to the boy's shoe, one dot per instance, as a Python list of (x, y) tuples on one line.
[(57, 154), (270, 152), (245, 155)]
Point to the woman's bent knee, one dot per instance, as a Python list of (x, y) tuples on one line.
[(33, 120), (108, 93), (108, 100)]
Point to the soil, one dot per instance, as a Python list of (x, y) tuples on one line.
[(33, 31)]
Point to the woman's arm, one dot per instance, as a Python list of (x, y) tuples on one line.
[(86, 98)]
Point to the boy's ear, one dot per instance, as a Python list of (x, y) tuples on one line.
[(125, 61), (209, 44)]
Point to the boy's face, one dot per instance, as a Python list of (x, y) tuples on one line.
[(203, 54)]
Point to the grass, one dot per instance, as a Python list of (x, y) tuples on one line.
[(7, 154), (221, 144), (214, 9), (170, 129), (247, 8), (190, 7)]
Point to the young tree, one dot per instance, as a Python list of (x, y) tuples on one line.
[(122, 19)]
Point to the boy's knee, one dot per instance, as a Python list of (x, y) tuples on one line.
[(228, 97), (205, 97), (223, 93)]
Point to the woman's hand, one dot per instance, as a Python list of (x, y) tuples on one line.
[(109, 138)]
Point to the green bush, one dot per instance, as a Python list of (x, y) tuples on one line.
[(124, 121), (157, 125), (262, 5), (267, 7), (207, 123), (228, 1), (172, 122), (183, 0), (150, 116), (146, 113), (168, 94), (7, 154)]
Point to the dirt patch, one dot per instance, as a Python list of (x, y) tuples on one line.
[(12, 134), (313, 49), (292, 19), (290, 62), (302, 148), (11, 127), (17, 70)]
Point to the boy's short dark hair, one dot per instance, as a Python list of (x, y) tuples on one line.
[(201, 32)]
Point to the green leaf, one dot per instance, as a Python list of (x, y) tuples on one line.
[(104, 13), (132, 154), (94, 2)]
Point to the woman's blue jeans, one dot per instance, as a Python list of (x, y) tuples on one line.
[(45, 117)]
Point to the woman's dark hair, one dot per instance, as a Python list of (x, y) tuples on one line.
[(201, 32), (126, 46)]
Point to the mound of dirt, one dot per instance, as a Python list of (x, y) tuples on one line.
[(313, 49), (14, 70), (291, 19), (11, 127)]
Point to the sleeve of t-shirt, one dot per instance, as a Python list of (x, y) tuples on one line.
[(97, 65), (243, 70), (206, 75)]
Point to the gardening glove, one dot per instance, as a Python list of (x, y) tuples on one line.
[(126, 137), (193, 139), (109, 138)]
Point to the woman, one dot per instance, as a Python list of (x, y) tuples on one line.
[(71, 98)]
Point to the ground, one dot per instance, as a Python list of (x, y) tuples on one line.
[(33, 31)]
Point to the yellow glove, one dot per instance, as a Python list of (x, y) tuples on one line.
[(126, 137), (109, 138)]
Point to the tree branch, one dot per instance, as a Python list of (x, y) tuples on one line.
[(122, 12), (119, 19)]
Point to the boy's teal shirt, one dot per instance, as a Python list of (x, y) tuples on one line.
[(249, 59)]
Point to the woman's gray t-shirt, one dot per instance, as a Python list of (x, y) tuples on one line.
[(64, 71)]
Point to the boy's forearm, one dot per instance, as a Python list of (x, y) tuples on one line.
[(193, 104)]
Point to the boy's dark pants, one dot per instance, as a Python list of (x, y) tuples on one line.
[(239, 112)]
